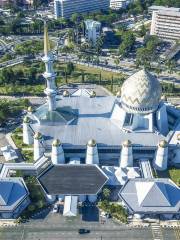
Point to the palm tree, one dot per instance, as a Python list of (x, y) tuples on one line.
[(116, 61)]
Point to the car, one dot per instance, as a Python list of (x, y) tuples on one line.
[(83, 231), (55, 208)]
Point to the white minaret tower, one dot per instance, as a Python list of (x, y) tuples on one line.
[(49, 74), (92, 156), (161, 156), (38, 147), (57, 154), (27, 131), (126, 158)]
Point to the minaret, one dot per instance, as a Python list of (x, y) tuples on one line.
[(161, 156), (57, 154), (38, 147), (92, 153), (49, 74), (126, 158), (27, 131)]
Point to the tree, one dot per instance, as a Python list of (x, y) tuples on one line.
[(100, 78), (143, 30), (82, 76), (65, 74), (116, 61), (128, 40), (112, 83), (106, 193), (70, 68)]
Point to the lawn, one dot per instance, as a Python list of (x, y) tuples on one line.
[(37, 198), (172, 173)]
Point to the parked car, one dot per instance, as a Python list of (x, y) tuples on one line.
[(83, 231), (55, 208)]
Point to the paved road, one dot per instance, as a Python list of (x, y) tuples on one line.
[(41, 232)]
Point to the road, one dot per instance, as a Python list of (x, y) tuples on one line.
[(69, 232)]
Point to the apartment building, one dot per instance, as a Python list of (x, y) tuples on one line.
[(118, 4), (93, 31), (165, 22), (22, 2), (65, 8)]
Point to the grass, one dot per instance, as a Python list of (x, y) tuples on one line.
[(172, 173), (28, 155), (18, 140), (91, 75), (37, 198), (19, 89)]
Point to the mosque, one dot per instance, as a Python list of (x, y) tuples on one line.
[(93, 141)]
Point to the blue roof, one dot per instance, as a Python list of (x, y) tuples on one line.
[(151, 195), (12, 192)]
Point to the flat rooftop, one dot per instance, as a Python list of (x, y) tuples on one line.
[(93, 122), (72, 179)]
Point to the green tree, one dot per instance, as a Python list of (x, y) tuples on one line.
[(106, 193), (70, 68)]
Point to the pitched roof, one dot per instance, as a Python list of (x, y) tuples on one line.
[(12, 192), (5, 192), (152, 194), (70, 206), (72, 179)]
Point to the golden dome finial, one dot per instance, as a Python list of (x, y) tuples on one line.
[(178, 136), (164, 98), (163, 143), (46, 40), (66, 93), (118, 94), (127, 143), (26, 119), (93, 94), (37, 135), (56, 143), (91, 143), (30, 109)]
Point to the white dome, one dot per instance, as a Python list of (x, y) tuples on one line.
[(141, 93)]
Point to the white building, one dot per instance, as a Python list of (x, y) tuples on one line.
[(118, 4), (165, 22), (93, 31), (65, 8)]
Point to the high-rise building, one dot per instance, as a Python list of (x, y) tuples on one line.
[(65, 8), (118, 4), (165, 22), (15, 2), (93, 31)]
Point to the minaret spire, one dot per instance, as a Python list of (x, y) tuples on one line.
[(49, 74), (46, 40)]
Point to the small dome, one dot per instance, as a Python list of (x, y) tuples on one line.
[(26, 119), (141, 93), (118, 94), (178, 136), (66, 93), (30, 109), (163, 144), (164, 98), (93, 94), (127, 143), (37, 135), (56, 143), (92, 143)]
